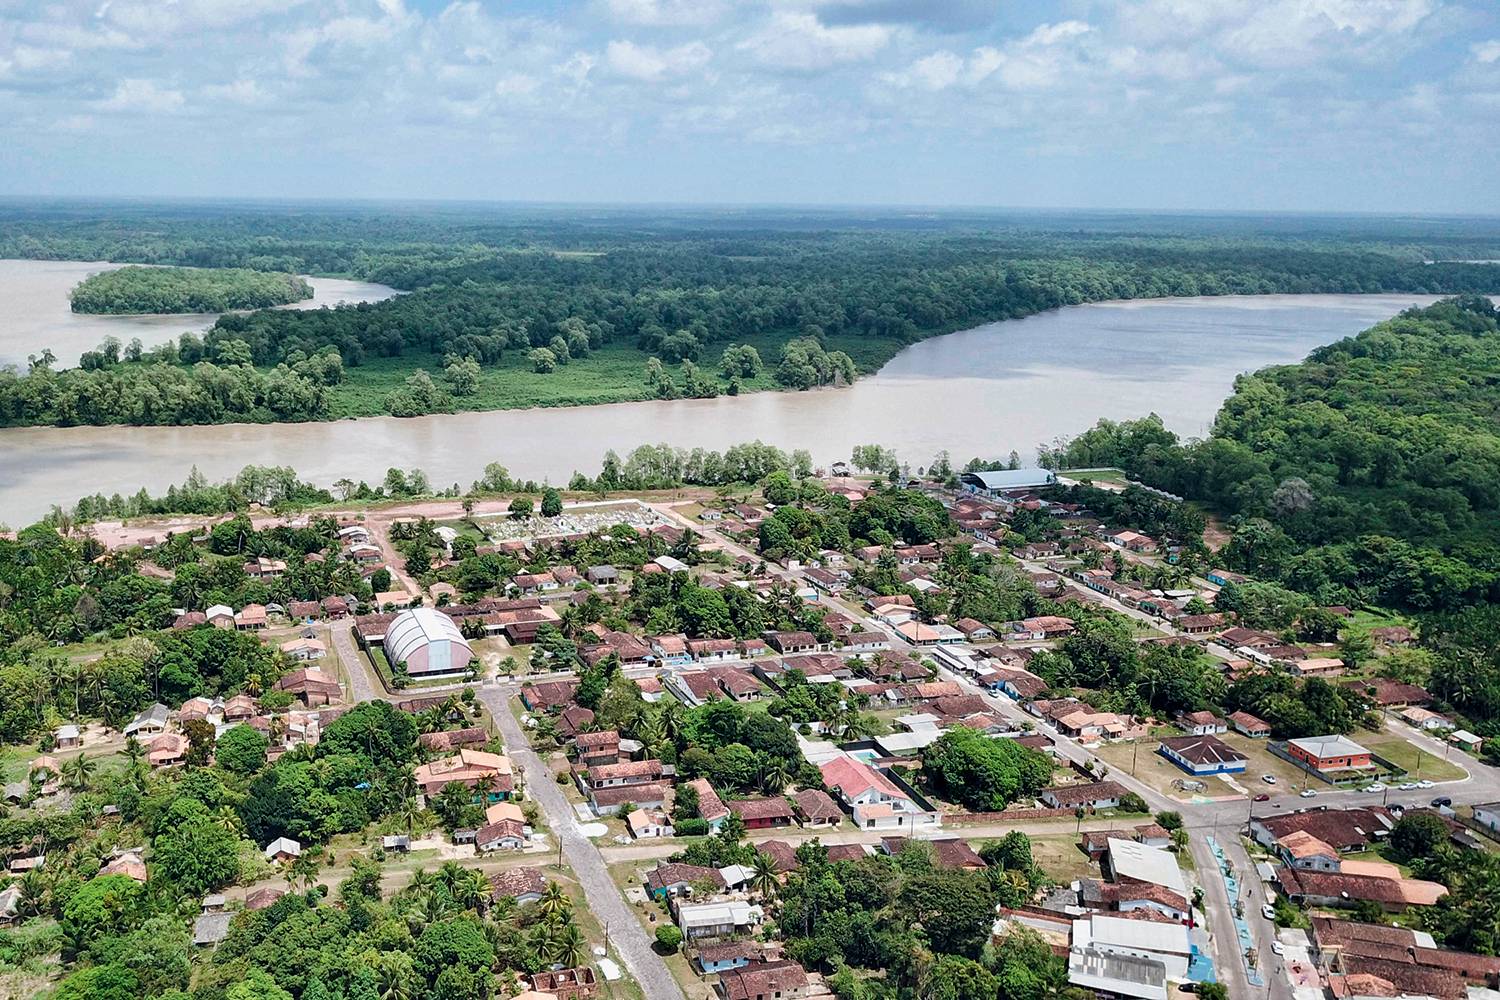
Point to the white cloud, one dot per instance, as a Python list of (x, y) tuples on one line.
[(1487, 52), (136, 95), (800, 41), (1042, 59), (29, 58), (515, 85), (246, 92), (935, 72), (646, 62), (666, 13)]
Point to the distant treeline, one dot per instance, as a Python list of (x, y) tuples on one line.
[(185, 290), (519, 295)]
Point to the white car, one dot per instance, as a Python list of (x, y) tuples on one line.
[(1407, 786), (1307, 793), (1277, 948), (1268, 911), (1424, 783), (1374, 786), (1269, 779)]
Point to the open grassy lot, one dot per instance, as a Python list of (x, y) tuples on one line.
[(1417, 762), (1061, 858), (613, 373)]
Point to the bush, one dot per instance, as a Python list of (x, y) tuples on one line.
[(668, 939), (693, 827), (1131, 802)]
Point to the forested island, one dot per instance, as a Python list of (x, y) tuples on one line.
[(512, 308), (130, 290)]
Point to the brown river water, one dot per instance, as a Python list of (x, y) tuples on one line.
[(984, 391)]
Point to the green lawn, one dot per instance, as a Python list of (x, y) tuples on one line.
[(14, 761), (1418, 763), (611, 374)]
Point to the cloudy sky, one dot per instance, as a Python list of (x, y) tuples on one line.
[(1365, 105)]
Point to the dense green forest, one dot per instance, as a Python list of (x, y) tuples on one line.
[(1369, 472), (523, 307), (186, 290)]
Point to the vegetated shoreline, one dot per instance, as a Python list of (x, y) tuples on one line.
[(170, 290), (873, 353)]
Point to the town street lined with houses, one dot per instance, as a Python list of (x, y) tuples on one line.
[(969, 675), (1218, 817)]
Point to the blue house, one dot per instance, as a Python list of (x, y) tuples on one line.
[(723, 957), (1200, 755)]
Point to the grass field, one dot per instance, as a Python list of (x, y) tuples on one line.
[(613, 373), (1417, 762), (1060, 857)]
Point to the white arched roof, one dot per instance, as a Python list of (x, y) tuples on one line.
[(418, 627)]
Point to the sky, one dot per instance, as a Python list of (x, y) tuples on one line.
[(1255, 105)]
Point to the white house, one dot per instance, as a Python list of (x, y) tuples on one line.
[(874, 800), (1166, 943)]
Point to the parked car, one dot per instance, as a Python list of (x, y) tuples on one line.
[(1442, 801), (1262, 797), (1277, 948), (1407, 786), (1269, 779), (1268, 911), (1425, 783), (1307, 793), (1374, 786)]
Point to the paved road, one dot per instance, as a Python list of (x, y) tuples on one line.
[(645, 850), (604, 899), (362, 687)]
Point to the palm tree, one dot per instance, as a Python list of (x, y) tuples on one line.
[(774, 776), (472, 891), (393, 975), (554, 902), (407, 812), (133, 749), (763, 875), (227, 819), (33, 893), (76, 772), (568, 946)]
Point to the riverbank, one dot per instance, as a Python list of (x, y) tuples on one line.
[(981, 392)]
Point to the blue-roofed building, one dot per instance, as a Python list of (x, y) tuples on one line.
[(994, 481)]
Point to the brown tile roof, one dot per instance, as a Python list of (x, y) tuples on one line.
[(1084, 794), (642, 794), (677, 873), (710, 806), (625, 769), (517, 882), (1248, 721), (729, 950), (816, 804), (766, 979), (774, 807), (846, 852), (1344, 829), (473, 736), (260, 899), (1408, 977), (779, 851), (602, 738)]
